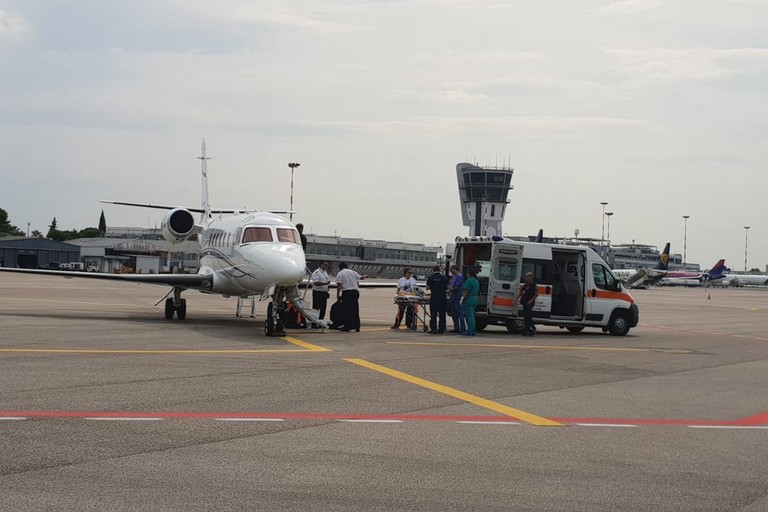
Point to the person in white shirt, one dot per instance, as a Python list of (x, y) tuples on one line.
[(347, 289), (406, 285), (320, 282)]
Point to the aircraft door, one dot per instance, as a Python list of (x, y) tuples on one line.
[(504, 278)]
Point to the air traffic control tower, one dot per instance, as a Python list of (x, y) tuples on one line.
[(483, 192)]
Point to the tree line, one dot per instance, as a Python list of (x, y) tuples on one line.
[(54, 233)]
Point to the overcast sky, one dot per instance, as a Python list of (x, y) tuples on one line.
[(658, 107)]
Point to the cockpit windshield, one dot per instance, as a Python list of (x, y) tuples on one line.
[(288, 235), (257, 235)]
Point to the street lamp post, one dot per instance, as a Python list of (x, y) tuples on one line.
[(746, 239), (608, 235), (685, 239), (293, 166), (602, 232)]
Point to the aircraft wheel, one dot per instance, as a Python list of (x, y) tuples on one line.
[(269, 325), (169, 309), (619, 323), (575, 328), (181, 311)]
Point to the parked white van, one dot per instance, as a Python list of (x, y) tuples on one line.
[(576, 287)]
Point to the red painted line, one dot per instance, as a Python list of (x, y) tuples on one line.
[(758, 419), (647, 421)]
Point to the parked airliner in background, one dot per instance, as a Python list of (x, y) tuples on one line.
[(642, 277), (686, 278), (745, 280), (242, 254)]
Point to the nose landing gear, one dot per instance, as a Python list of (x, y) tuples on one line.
[(274, 324)]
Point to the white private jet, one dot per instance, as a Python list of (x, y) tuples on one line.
[(242, 254)]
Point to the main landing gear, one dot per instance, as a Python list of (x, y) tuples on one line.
[(176, 305)]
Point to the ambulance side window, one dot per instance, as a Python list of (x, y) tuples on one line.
[(603, 278)]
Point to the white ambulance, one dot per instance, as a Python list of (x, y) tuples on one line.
[(576, 287)]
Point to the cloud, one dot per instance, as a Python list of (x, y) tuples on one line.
[(672, 65), (627, 7), (13, 25), (312, 16)]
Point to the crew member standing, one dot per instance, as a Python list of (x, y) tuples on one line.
[(302, 236), (437, 284), (469, 292), (348, 290), (320, 282), (528, 294), (406, 285), (457, 311)]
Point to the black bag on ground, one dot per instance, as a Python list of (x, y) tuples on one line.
[(337, 315)]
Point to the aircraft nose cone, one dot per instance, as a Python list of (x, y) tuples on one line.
[(284, 264)]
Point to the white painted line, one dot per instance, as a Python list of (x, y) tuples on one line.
[(730, 427), (618, 425), (12, 418), (249, 419), (372, 421), (490, 422), (124, 419)]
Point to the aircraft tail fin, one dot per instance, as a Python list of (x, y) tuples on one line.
[(206, 205), (716, 272), (663, 263), (540, 236)]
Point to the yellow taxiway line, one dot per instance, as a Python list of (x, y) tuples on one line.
[(461, 395), (305, 347), (540, 347)]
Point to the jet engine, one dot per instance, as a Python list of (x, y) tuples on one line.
[(178, 225)]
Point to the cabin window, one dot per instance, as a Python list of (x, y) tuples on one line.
[(288, 235), (257, 235)]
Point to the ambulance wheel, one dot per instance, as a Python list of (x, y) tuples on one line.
[(619, 323), (515, 326), (169, 309), (480, 325), (575, 328), (181, 311)]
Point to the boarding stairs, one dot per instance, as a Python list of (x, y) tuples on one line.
[(245, 303), (304, 307)]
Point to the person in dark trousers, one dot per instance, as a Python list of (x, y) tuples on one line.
[(320, 282), (348, 290), (528, 294), (300, 229), (437, 284), (457, 311)]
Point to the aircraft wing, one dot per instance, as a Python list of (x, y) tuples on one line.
[(362, 284), (194, 210), (190, 281)]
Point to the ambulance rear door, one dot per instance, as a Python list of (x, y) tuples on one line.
[(503, 282)]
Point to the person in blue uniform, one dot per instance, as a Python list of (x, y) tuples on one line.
[(437, 284)]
